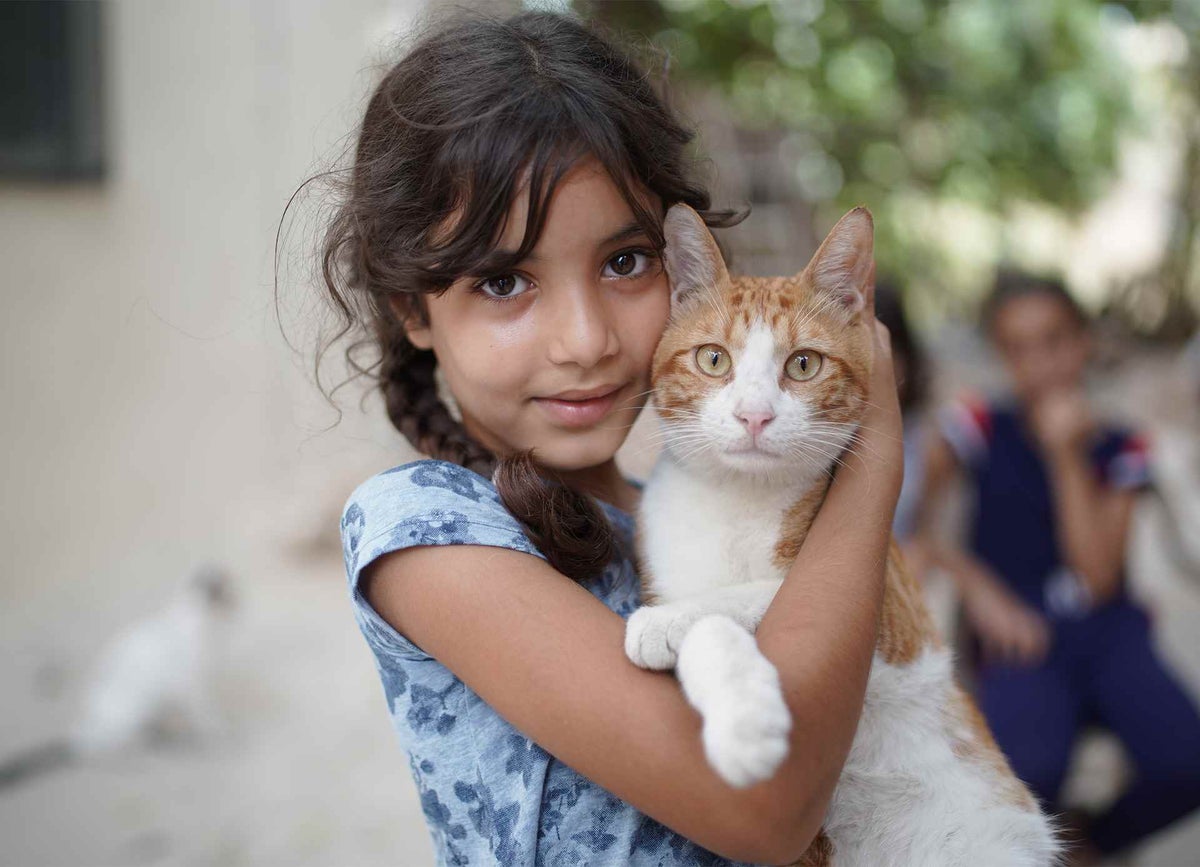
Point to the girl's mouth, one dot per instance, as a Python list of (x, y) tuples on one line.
[(577, 412)]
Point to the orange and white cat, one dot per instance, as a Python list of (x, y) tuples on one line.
[(760, 383)]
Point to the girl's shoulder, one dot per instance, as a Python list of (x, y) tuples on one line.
[(426, 502), (1122, 458), (422, 503), (968, 424)]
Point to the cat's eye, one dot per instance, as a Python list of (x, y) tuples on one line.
[(713, 359), (803, 365)]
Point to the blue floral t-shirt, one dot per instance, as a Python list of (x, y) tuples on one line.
[(490, 795)]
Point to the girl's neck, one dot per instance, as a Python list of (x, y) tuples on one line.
[(604, 482)]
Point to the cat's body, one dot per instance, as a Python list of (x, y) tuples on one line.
[(750, 439)]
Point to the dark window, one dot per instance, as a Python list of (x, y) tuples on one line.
[(51, 118)]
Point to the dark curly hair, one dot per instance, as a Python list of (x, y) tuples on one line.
[(477, 111), (1011, 284)]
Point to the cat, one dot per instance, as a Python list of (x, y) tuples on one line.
[(152, 682), (782, 364)]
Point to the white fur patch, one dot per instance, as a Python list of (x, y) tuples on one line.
[(905, 797), (736, 690)]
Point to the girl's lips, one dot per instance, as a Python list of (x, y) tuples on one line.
[(578, 413)]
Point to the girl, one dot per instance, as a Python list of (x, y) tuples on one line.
[(503, 228), (1042, 586)]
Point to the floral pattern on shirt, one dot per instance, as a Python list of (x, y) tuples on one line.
[(489, 794)]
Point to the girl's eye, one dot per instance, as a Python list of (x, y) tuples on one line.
[(627, 263), (803, 365), (713, 359), (502, 286)]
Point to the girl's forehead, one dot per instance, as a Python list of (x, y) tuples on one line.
[(586, 204), (1029, 315)]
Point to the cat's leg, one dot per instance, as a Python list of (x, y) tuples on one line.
[(737, 692), (653, 633)]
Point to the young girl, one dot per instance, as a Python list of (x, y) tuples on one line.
[(1042, 587), (503, 227)]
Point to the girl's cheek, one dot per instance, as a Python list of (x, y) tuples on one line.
[(511, 334)]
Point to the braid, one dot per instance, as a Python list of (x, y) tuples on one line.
[(406, 378)]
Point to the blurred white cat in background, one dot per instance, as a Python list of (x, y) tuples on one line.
[(152, 683)]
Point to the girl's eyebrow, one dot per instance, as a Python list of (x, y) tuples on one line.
[(500, 260), (627, 231)]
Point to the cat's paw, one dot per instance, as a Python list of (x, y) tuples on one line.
[(746, 733), (653, 634)]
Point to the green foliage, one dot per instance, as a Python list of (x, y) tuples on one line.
[(900, 103)]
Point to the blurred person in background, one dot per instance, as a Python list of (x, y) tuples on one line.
[(1060, 643)]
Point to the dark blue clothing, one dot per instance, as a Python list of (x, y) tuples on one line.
[(1101, 670), (1012, 529), (1102, 667)]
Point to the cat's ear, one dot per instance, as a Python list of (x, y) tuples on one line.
[(693, 260), (843, 268)]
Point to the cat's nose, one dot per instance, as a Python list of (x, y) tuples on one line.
[(755, 421)]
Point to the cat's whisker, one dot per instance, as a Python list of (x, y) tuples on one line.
[(812, 311), (856, 426), (830, 459), (856, 441)]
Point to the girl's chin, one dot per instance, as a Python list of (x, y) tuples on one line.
[(570, 452)]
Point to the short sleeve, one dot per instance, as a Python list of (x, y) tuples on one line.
[(966, 425), (1127, 468), (423, 503)]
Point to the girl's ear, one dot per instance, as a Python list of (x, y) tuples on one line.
[(412, 320), (843, 268), (693, 260)]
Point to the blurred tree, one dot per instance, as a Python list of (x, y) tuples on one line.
[(1166, 302), (908, 104)]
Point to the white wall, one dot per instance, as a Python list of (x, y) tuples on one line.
[(152, 413)]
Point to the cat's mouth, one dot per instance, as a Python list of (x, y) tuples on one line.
[(754, 449)]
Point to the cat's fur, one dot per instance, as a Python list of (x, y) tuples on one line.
[(924, 783)]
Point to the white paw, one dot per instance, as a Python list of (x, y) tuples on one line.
[(653, 634), (746, 733)]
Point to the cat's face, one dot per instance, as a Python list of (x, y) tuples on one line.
[(757, 376)]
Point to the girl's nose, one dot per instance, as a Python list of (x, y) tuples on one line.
[(581, 330)]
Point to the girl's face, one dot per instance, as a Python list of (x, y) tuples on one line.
[(1044, 345), (556, 355)]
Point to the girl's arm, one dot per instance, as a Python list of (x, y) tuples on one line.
[(549, 657), (1008, 629), (1092, 521)]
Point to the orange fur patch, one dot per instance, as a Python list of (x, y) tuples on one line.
[(905, 627), (818, 854), (796, 524), (981, 748)]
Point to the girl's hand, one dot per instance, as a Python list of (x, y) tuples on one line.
[(1061, 422), (1010, 631)]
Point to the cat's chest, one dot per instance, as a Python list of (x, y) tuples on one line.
[(697, 535)]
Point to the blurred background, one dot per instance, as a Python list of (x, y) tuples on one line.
[(160, 417)]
